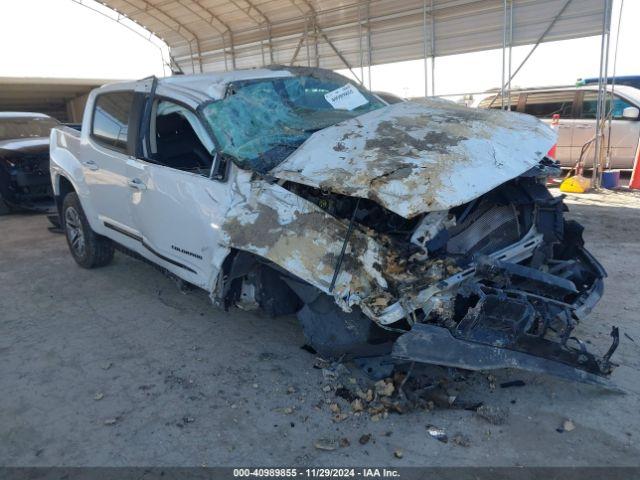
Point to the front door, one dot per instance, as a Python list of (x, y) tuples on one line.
[(624, 132), (176, 207)]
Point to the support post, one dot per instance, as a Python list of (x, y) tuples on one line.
[(602, 85), (369, 43), (433, 51), (424, 41), (504, 52)]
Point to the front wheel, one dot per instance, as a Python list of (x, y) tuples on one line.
[(88, 249)]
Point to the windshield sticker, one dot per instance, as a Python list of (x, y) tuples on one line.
[(346, 98)]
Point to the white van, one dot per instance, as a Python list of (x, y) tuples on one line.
[(577, 109)]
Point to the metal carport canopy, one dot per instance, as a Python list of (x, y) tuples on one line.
[(215, 35)]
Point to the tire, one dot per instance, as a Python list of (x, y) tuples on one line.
[(4, 208), (87, 248), (332, 332)]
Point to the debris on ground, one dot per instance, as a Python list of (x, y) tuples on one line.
[(107, 365), (461, 440), (493, 415), (325, 444), (345, 393), (568, 425), (400, 393), (344, 442), (385, 387), (98, 396), (512, 383), (398, 453), (110, 421), (437, 433), (364, 439), (291, 390)]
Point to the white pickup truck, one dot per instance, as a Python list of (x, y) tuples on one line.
[(419, 230)]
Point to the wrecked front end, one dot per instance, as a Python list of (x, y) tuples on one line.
[(425, 232), (499, 282), (524, 282)]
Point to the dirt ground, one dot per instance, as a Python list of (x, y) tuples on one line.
[(115, 367)]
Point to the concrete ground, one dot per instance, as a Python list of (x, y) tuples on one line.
[(116, 367)]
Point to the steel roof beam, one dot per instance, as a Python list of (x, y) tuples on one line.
[(149, 6)]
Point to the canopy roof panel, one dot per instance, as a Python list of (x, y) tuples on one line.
[(215, 35)]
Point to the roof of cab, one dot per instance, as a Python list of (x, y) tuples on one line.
[(214, 84), (201, 87)]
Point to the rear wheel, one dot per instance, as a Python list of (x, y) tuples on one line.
[(88, 249), (4, 208)]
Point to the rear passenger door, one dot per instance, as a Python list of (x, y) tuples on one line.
[(105, 164), (546, 104)]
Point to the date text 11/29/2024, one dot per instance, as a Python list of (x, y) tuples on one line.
[(316, 472)]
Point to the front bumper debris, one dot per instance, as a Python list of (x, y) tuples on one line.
[(436, 345)]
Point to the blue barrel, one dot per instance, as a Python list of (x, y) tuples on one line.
[(611, 179)]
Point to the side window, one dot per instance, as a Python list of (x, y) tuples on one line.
[(590, 106), (110, 125), (178, 139), (547, 104), (494, 102)]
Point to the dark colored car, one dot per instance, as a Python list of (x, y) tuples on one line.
[(25, 183)]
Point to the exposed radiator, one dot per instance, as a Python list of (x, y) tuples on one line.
[(492, 229)]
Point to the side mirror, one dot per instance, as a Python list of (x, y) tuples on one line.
[(631, 113)]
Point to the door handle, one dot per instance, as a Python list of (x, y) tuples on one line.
[(137, 184), (90, 164)]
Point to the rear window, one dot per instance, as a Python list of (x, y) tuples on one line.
[(111, 116), (547, 104)]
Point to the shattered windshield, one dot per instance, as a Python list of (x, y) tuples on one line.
[(26, 127), (262, 122)]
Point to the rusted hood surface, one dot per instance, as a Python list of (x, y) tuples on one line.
[(418, 157)]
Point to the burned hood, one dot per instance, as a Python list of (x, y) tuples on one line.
[(416, 157)]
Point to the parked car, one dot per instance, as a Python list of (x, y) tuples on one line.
[(25, 182), (577, 109), (423, 231)]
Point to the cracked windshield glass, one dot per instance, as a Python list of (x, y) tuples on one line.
[(262, 122)]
